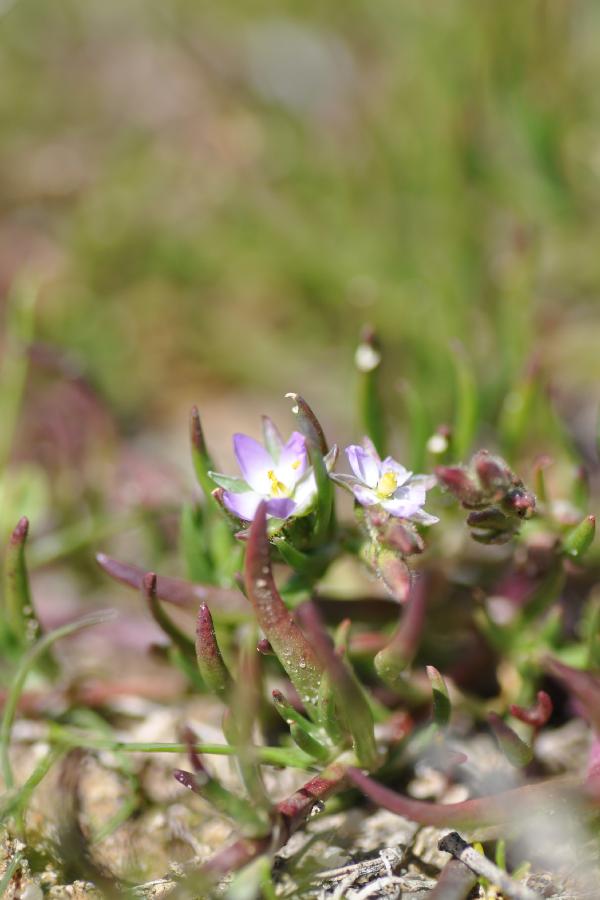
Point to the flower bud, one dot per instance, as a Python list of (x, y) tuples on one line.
[(458, 481), (493, 473)]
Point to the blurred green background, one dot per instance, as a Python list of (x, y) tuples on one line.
[(219, 194)]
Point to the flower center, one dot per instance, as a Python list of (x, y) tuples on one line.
[(278, 488), (386, 485)]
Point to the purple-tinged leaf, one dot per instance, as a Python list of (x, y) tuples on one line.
[(179, 639), (287, 640), (391, 662), (583, 686), (291, 813), (495, 809), (536, 715), (308, 423), (176, 591), (516, 751), (211, 664), (17, 596), (240, 810), (350, 701)]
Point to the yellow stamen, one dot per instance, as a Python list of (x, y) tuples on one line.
[(278, 489), (387, 485), (296, 464)]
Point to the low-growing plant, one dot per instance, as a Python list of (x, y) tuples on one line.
[(480, 608)]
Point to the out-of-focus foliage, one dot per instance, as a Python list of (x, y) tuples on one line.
[(194, 173)]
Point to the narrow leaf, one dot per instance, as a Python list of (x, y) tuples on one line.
[(287, 640), (308, 423), (466, 406), (211, 664), (491, 810), (176, 591), (584, 686), (418, 427), (179, 639), (200, 457), (17, 596), (350, 700), (27, 663), (392, 661), (516, 751), (442, 708), (580, 538)]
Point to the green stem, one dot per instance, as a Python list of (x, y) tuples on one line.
[(10, 871), (274, 756), (16, 803)]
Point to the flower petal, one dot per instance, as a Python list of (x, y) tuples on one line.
[(365, 495), (280, 507), (390, 465), (293, 461), (272, 438), (243, 506), (424, 518), (305, 494), (403, 507), (254, 462), (369, 446), (330, 457), (427, 482), (364, 465), (345, 480)]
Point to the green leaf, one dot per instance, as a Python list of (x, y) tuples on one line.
[(180, 640), (201, 460), (442, 708), (580, 538), (350, 701), (516, 751), (28, 662), (230, 483), (211, 664), (466, 406), (418, 427), (193, 542)]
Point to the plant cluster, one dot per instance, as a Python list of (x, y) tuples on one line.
[(488, 617)]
